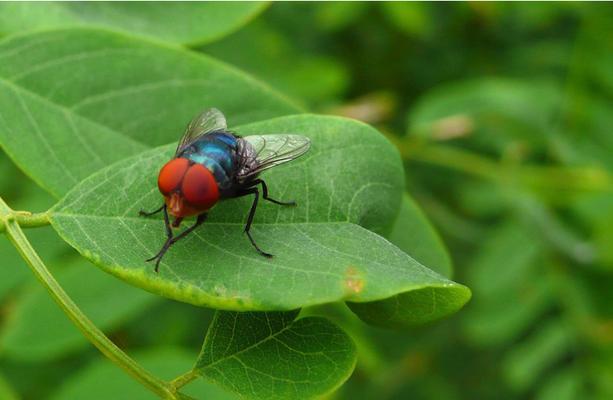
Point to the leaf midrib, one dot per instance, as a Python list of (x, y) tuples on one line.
[(236, 354), (143, 219), (423, 269)]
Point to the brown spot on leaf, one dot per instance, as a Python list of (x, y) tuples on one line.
[(353, 280)]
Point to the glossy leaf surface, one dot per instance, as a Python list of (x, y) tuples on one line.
[(73, 101), (275, 356)]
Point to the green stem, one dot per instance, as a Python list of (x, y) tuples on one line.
[(25, 219), (184, 379), (451, 158), (541, 177), (10, 220)]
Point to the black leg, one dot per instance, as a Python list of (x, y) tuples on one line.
[(144, 213), (254, 206), (167, 222), (265, 194), (170, 240)]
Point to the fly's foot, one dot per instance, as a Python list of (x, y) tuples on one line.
[(262, 252), (144, 213), (267, 255), (158, 258), (282, 203)]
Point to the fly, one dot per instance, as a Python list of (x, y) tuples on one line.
[(213, 164)]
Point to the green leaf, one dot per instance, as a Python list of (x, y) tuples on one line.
[(526, 362), (596, 211), (102, 380), (496, 320), (38, 330), (418, 306), (564, 385), (75, 100), (334, 16), (414, 19), (493, 110), (321, 255), (6, 390), (274, 356), (312, 77), (507, 266), (413, 234), (177, 22)]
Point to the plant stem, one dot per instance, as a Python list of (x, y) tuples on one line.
[(26, 219), (10, 221), (184, 379), (541, 177)]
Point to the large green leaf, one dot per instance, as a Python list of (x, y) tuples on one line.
[(101, 380), (38, 330), (75, 100), (351, 176), (177, 22), (275, 356)]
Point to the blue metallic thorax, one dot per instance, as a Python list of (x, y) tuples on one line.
[(217, 152)]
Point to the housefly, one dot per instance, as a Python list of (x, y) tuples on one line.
[(213, 164)]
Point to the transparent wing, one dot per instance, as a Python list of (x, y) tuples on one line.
[(208, 121), (272, 150)]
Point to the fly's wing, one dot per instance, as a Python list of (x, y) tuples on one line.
[(272, 150), (211, 120)]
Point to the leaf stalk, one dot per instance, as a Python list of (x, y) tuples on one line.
[(25, 219), (184, 379)]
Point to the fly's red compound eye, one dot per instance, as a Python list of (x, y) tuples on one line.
[(199, 187), (171, 175)]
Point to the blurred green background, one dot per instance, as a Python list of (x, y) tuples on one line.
[(503, 113)]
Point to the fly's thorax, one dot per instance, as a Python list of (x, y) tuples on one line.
[(217, 152)]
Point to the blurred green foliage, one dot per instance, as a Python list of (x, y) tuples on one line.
[(503, 114)]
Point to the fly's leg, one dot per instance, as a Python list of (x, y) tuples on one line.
[(170, 240), (167, 244), (144, 213), (254, 205), (265, 194)]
